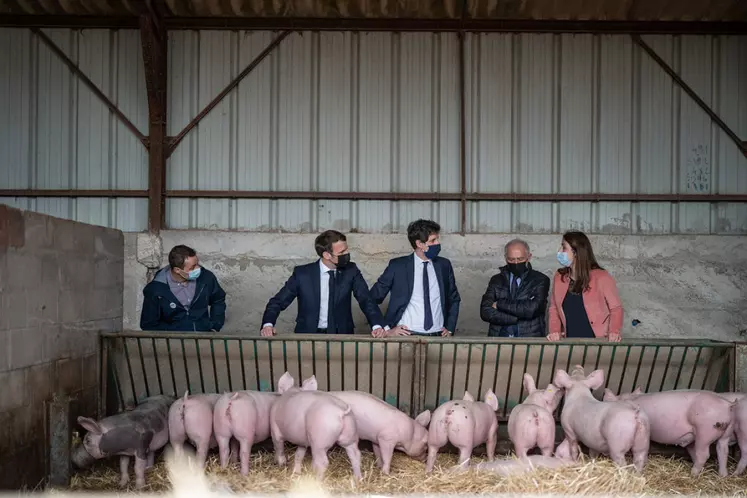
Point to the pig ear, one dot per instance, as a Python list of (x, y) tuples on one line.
[(309, 384), (285, 382), (468, 396), (529, 384), (609, 395), (595, 380), (562, 379), (491, 399), (637, 390), (424, 418), (90, 425)]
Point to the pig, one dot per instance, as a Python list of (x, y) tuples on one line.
[(688, 418), (739, 427), (531, 423), (139, 433), (191, 419), (312, 419), (464, 423), (516, 466), (386, 427), (609, 427), (245, 416)]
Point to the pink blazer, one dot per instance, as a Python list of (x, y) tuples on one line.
[(601, 300)]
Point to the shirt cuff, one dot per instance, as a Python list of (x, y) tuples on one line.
[(267, 325), (376, 327), (387, 327)]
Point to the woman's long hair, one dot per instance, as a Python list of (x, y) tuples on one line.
[(584, 261)]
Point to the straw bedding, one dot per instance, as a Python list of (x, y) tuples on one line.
[(662, 476)]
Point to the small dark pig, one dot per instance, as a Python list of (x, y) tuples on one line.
[(139, 433)]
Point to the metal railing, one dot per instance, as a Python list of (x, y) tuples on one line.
[(410, 373)]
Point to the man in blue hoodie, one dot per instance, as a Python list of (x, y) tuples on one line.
[(183, 296)]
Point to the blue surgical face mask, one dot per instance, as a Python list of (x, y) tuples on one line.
[(194, 274), (432, 251), (563, 259)]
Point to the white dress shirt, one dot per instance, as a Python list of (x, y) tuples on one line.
[(414, 315), (324, 298)]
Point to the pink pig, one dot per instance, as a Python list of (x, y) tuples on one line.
[(245, 416), (516, 466), (466, 424), (191, 419), (531, 423), (612, 428), (739, 425), (312, 419), (688, 418), (386, 427)]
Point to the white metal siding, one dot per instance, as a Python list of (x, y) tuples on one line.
[(56, 134)]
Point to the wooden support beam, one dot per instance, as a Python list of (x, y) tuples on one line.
[(155, 45)]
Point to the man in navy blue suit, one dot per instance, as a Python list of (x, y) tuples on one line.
[(323, 290), (424, 297)]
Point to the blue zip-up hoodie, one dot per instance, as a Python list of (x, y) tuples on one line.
[(163, 311)]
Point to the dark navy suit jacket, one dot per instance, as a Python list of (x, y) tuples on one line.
[(305, 285), (399, 278)]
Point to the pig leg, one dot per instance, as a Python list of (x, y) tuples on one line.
[(492, 441), (699, 454), (279, 444), (235, 450), (431, 461), (348, 439), (465, 453), (224, 448), (298, 460), (319, 461), (740, 434), (354, 455), (245, 451), (151, 459), (377, 454), (124, 470), (722, 451), (386, 449), (140, 463), (202, 451)]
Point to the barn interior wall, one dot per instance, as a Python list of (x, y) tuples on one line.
[(677, 286), (545, 113), (60, 283)]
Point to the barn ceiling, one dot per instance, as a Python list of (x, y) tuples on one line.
[(578, 10)]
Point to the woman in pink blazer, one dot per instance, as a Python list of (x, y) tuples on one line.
[(584, 303)]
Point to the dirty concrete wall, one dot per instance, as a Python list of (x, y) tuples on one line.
[(677, 286), (60, 283)]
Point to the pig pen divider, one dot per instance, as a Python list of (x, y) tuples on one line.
[(410, 373)]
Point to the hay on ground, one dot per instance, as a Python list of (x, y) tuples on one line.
[(662, 476)]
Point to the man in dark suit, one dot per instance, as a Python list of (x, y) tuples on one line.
[(424, 297), (323, 289), (515, 301)]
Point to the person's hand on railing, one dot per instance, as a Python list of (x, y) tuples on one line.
[(268, 331), (399, 330), (553, 336), (379, 333), (444, 332), (614, 338)]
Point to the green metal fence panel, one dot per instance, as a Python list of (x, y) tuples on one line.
[(410, 373)]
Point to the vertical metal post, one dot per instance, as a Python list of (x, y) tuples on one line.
[(462, 135), (740, 367), (60, 434), (154, 39)]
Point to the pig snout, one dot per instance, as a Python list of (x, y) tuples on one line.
[(81, 458)]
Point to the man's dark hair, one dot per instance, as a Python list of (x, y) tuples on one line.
[(325, 240), (421, 230), (179, 254)]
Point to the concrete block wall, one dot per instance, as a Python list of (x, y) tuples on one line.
[(676, 285), (61, 282)]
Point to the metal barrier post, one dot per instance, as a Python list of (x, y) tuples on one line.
[(740, 367)]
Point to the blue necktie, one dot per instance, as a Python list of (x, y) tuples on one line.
[(331, 322), (428, 322)]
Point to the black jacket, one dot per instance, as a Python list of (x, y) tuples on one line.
[(527, 309), (163, 311), (304, 284)]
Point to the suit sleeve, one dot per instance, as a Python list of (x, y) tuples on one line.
[(365, 301), (488, 313), (612, 297), (150, 316), (453, 303), (554, 325), (281, 300), (383, 285), (527, 308), (217, 307)]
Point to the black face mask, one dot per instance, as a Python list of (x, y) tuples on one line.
[(343, 260), (518, 269)]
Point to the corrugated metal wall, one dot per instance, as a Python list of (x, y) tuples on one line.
[(380, 112), (56, 134)]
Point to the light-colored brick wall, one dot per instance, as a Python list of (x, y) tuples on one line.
[(61, 282)]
